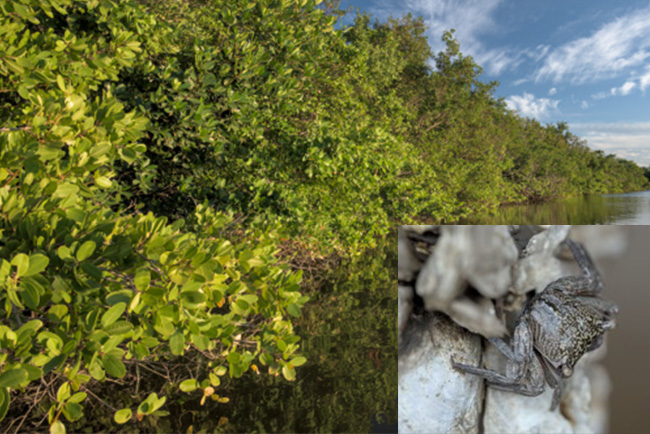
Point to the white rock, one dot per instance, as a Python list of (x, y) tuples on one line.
[(432, 397), (480, 255), (540, 266)]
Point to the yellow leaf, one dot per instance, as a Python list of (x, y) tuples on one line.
[(57, 428), (60, 82), (222, 421)]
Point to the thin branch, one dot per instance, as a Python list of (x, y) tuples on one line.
[(24, 128), (98, 398)]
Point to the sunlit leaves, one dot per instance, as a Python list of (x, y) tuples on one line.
[(112, 314), (113, 366), (85, 250), (189, 385), (289, 373), (4, 401), (21, 261), (177, 343), (122, 416), (110, 284), (13, 377), (37, 263), (151, 404), (57, 428)]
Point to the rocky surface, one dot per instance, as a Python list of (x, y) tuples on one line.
[(432, 397)]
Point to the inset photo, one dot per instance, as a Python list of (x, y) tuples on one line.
[(523, 328)]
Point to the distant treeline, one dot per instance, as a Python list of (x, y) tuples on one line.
[(266, 108)]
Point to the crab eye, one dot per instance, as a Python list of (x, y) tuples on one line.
[(567, 370)]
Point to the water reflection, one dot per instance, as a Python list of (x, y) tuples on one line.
[(350, 382), (622, 209)]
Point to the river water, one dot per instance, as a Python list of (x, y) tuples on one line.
[(349, 383), (610, 209)]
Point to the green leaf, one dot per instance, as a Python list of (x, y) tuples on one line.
[(122, 416), (13, 377), (63, 392), (75, 214), (233, 357), (289, 374), (4, 401), (57, 428), (119, 328), (158, 403), (134, 302), (142, 280), (298, 361), (60, 82), (37, 263), (189, 385), (113, 366), (96, 371), (92, 270), (53, 363), (77, 397), (21, 261), (103, 182), (63, 252), (177, 343), (112, 314), (30, 296), (14, 66), (151, 404), (66, 189), (72, 411), (128, 155), (293, 310), (86, 250), (193, 298)]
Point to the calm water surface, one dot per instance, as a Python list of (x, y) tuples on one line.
[(610, 209)]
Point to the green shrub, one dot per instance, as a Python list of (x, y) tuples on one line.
[(87, 290)]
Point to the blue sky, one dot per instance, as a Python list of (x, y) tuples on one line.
[(583, 62)]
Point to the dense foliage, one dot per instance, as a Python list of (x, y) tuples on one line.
[(145, 145), (89, 292), (263, 108)]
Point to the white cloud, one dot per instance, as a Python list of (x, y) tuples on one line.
[(617, 45), (552, 91), (644, 81), (625, 89), (470, 18), (537, 53), (529, 106), (627, 140), (584, 105)]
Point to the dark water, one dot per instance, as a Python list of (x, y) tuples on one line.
[(349, 383), (618, 209)]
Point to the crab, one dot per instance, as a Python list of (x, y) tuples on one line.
[(556, 328)]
